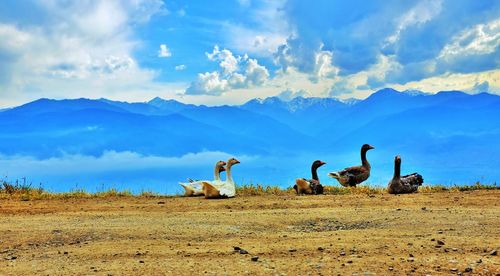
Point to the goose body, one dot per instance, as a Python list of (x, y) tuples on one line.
[(352, 176), (310, 186), (195, 188), (219, 188), (403, 184)]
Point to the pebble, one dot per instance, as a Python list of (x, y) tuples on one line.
[(236, 248), (493, 252), (292, 250), (342, 253), (468, 269), (321, 248), (439, 242), (161, 202), (141, 261), (255, 258), (243, 251)]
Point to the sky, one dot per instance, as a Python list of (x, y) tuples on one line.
[(228, 52)]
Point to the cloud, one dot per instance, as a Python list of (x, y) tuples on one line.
[(235, 72), (109, 160), (74, 50), (164, 52), (311, 59), (289, 95), (180, 67), (261, 31), (481, 87)]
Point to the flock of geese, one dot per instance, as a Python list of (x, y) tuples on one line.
[(348, 177)]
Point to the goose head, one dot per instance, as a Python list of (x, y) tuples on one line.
[(397, 159), (318, 163), (232, 161), (367, 147), (221, 166)]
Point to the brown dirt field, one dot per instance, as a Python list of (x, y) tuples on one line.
[(290, 235)]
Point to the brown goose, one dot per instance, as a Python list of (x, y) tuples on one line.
[(311, 186), (350, 177), (403, 184)]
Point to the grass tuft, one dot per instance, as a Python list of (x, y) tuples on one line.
[(24, 192)]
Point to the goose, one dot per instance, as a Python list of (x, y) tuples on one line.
[(195, 188), (354, 175), (311, 186), (403, 184), (221, 189)]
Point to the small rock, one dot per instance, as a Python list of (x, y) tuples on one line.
[(349, 261), (468, 269), (399, 209), (454, 269), (439, 242), (493, 252), (391, 268), (411, 255), (342, 253), (236, 248), (433, 239), (141, 261), (10, 257), (243, 251), (255, 258), (65, 253), (161, 202), (320, 248), (424, 208), (292, 250), (479, 261)]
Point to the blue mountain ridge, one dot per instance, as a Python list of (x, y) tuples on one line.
[(450, 137)]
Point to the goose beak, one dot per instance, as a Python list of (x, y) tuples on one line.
[(323, 163), (222, 169), (236, 161), (372, 147)]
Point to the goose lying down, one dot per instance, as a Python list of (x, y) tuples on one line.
[(222, 189), (195, 188), (403, 184), (310, 186)]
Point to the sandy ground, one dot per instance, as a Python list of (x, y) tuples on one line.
[(438, 233)]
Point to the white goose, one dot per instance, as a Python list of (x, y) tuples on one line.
[(221, 189), (195, 188)]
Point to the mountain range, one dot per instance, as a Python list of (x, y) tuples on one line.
[(449, 137)]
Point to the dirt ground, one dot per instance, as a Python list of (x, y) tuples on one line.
[(435, 233)]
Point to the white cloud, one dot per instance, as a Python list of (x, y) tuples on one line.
[(289, 95), (235, 72), (86, 43), (268, 30), (208, 83), (422, 12), (478, 40), (69, 164), (180, 67), (315, 61), (228, 62), (164, 51)]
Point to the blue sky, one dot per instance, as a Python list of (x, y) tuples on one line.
[(227, 52)]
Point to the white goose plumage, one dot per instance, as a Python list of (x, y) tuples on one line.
[(222, 189), (195, 188)]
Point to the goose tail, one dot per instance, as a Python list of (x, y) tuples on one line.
[(188, 190)]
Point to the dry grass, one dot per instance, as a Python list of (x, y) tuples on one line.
[(25, 192)]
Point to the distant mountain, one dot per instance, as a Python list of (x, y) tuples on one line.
[(449, 136)]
